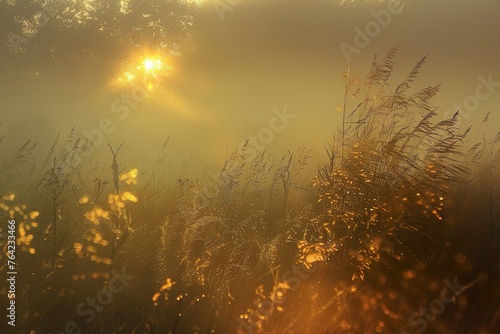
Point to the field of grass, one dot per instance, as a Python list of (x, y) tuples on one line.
[(396, 233)]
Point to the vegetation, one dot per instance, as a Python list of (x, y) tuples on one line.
[(404, 205)]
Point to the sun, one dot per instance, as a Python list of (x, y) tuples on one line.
[(147, 70), (149, 64), (152, 64)]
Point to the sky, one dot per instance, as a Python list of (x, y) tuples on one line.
[(225, 68)]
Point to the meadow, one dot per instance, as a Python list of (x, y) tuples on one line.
[(397, 231)]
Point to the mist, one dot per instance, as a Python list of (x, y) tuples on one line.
[(252, 123), (230, 74)]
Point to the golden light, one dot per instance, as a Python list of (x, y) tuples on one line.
[(148, 64), (152, 64), (146, 70), (129, 76)]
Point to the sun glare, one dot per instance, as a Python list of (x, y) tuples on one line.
[(146, 70)]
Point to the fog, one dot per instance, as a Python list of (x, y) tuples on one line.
[(229, 74), (246, 101)]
